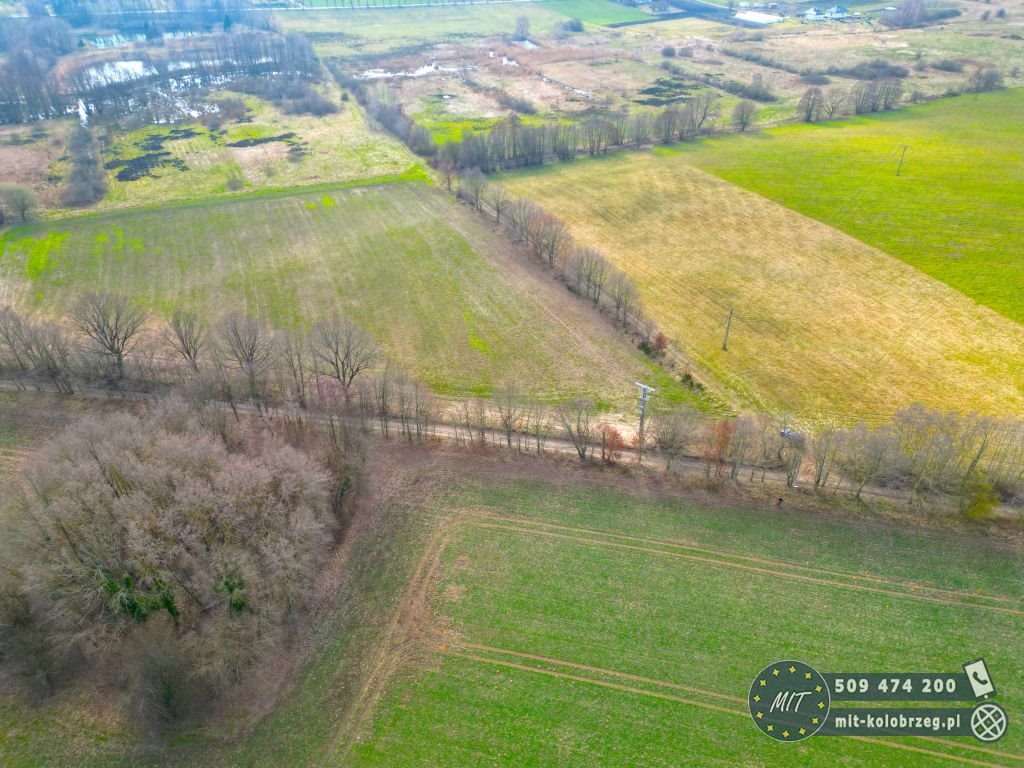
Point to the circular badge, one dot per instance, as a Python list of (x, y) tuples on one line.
[(988, 722), (789, 700)]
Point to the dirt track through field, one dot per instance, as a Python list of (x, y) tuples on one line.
[(742, 566), (400, 634), (456, 652), (897, 583)]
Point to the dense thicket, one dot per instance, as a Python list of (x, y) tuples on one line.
[(156, 541)]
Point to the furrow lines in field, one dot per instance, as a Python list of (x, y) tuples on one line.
[(604, 683), (901, 584), (601, 671), (751, 568), (693, 702)]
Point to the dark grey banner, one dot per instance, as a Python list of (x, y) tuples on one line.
[(898, 721), (899, 686)]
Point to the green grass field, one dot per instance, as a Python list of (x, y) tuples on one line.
[(824, 326), (954, 211), (586, 627), (517, 623), (424, 275)]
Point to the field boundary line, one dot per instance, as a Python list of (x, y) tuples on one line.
[(750, 558), (702, 704), (754, 569), (986, 750), (600, 670)]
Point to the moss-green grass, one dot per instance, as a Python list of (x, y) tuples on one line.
[(954, 212), (708, 626), (423, 274)]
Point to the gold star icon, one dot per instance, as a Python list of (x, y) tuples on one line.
[(775, 672), (763, 683), (760, 715), (803, 731), (757, 698), (821, 705), (814, 721), (807, 675), (792, 669), (771, 728), (817, 688), (785, 734)]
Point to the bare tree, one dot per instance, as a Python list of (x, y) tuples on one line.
[(511, 407), (623, 295), (498, 198), (834, 101), (521, 213), (342, 350), (674, 432), (186, 336), (575, 418), (112, 323), (246, 344), (472, 185), (13, 339), (824, 448), (865, 452), (49, 351), (811, 104), (294, 353), (744, 114), (549, 238)]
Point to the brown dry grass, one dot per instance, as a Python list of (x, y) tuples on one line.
[(825, 325)]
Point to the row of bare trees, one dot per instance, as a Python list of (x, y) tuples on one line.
[(585, 271), (922, 454), (107, 339)]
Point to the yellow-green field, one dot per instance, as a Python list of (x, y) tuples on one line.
[(954, 212), (824, 325), (432, 283)]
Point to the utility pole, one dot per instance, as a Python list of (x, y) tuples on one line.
[(900, 166), (645, 393), (728, 325)]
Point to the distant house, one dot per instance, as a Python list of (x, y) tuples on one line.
[(835, 13)]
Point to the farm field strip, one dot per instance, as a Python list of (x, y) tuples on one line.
[(540, 526), (489, 655), (438, 289), (825, 327), (752, 569)]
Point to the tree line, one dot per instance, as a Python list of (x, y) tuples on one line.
[(338, 375), (511, 144)]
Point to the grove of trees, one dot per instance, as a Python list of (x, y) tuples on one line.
[(180, 552)]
